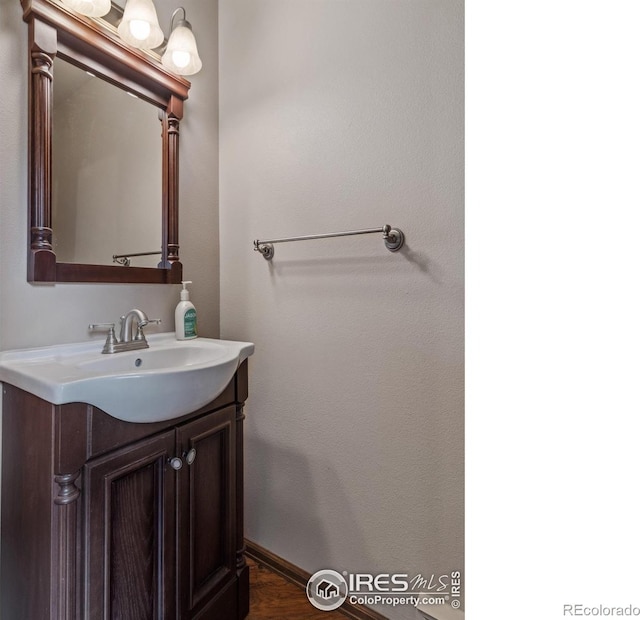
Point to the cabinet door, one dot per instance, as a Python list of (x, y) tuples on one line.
[(206, 518), (129, 532)]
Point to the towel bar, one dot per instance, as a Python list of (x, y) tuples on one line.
[(393, 239)]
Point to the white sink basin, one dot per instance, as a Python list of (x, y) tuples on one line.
[(169, 379)]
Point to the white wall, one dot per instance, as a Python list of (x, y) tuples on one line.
[(336, 115)]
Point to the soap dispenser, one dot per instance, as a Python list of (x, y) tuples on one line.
[(186, 324)]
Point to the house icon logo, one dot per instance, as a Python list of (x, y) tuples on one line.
[(327, 590)]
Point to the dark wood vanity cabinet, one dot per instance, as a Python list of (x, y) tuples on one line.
[(104, 519)]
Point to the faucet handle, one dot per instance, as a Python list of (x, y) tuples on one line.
[(139, 333), (111, 336), (102, 325)]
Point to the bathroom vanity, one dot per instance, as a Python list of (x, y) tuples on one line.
[(121, 473), (104, 518)]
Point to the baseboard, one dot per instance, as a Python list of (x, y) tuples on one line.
[(299, 577)]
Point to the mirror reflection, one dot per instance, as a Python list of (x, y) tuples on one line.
[(107, 172)]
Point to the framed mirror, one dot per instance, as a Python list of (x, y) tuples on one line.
[(106, 181), (103, 153)]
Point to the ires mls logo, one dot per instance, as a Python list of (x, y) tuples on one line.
[(327, 590)]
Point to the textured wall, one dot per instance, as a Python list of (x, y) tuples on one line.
[(335, 115)]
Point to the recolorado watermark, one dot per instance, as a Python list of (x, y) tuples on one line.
[(598, 611), (327, 589)]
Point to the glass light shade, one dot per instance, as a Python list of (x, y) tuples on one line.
[(139, 26), (91, 8), (181, 55)]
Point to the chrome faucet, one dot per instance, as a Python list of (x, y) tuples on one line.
[(126, 325), (128, 341)]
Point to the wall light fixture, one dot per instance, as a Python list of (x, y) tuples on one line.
[(181, 55), (139, 26)]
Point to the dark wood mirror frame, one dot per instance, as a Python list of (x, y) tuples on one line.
[(95, 46)]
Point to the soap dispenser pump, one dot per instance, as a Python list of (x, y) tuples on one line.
[(186, 319)]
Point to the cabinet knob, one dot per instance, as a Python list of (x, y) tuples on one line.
[(176, 463), (190, 456)]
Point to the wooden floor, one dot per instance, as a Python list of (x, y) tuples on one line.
[(275, 598)]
